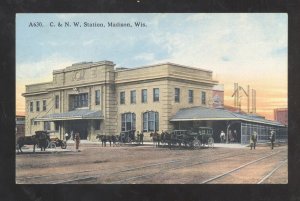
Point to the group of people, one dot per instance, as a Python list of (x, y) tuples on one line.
[(253, 139), (140, 137), (75, 137), (232, 137)]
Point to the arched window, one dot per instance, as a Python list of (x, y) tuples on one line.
[(128, 121), (150, 121)]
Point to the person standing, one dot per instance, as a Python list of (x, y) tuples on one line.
[(66, 136), (230, 137), (72, 135), (142, 137), (272, 139), (222, 136), (253, 139), (235, 136), (138, 137), (77, 141)]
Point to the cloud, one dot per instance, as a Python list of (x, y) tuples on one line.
[(149, 57), (88, 42), (30, 72)]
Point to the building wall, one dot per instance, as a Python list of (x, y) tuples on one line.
[(20, 126), (88, 77), (281, 115)]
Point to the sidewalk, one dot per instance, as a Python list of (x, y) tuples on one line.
[(224, 145)]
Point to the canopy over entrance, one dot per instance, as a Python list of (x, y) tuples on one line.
[(72, 115)]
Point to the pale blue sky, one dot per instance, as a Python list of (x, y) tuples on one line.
[(244, 48)]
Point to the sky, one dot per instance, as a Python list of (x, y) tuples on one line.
[(249, 49)]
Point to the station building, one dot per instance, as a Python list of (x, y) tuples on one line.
[(96, 98)]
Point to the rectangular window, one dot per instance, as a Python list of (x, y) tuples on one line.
[(155, 94), (46, 125), (97, 125), (122, 97), (145, 121), (144, 95), (44, 105), (97, 97), (31, 106), (203, 98), (191, 96), (150, 121), (56, 101), (37, 106), (133, 97), (177, 95), (128, 121), (78, 101)]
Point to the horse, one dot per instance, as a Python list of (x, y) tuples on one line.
[(166, 138), (40, 138), (43, 139), (104, 139), (155, 138), (108, 138)]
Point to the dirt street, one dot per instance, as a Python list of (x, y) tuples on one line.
[(148, 165)]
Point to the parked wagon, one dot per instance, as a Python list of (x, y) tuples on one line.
[(185, 138), (205, 136), (194, 139), (127, 136), (54, 142)]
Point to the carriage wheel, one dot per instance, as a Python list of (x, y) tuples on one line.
[(210, 142), (63, 145), (196, 144), (52, 145)]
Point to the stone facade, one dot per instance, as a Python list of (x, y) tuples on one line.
[(86, 78)]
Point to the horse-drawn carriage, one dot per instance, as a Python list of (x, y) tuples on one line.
[(185, 138), (54, 142), (194, 139), (124, 137), (205, 135), (130, 137)]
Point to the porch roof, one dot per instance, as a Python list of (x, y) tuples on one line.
[(72, 115), (211, 114)]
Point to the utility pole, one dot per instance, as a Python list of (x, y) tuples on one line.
[(253, 101), (236, 94)]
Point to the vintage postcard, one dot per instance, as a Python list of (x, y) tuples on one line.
[(157, 98)]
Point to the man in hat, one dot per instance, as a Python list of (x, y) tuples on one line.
[(77, 141), (272, 139), (253, 139)]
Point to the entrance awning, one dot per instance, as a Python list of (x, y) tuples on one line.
[(211, 114), (72, 115)]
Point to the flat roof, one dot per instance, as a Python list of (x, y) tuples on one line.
[(161, 64)]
